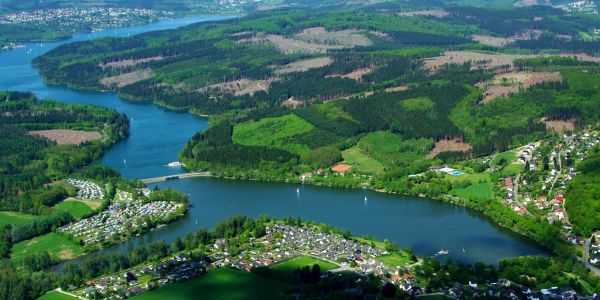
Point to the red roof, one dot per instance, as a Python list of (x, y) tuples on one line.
[(341, 168), (560, 197)]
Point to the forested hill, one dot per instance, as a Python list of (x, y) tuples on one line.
[(42, 141), (392, 90)]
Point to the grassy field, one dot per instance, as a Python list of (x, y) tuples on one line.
[(290, 265), (470, 177), (511, 169), (77, 208), (58, 246), (397, 259), (15, 218), (56, 295), (390, 149), (509, 156), (276, 132), (483, 190), (223, 283), (362, 162), (422, 103)]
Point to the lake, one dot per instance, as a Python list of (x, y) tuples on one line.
[(157, 135)]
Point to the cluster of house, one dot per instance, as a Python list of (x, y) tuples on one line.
[(87, 189), (579, 6), (118, 219), (594, 253), (506, 289), (142, 278), (94, 17), (324, 245), (526, 154)]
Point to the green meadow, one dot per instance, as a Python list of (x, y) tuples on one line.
[(58, 246), (290, 265), (278, 132), (479, 190), (15, 218), (77, 208), (56, 295), (223, 283)]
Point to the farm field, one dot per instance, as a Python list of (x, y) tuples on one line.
[(15, 218), (224, 283), (290, 265), (58, 246)]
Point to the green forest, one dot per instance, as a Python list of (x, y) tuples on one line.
[(28, 161)]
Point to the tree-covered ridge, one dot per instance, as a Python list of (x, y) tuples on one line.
[(584, 195), (28, 161)]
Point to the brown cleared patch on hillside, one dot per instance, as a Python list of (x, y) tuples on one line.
[(129, 62), (507, 84), (348, 38), (303, 65), (292, 102), (492, 40), (489, 61), (362, 95), (559, 126), (438, 13), (400, 88), (310, 40), (524, 35), (67, 136), (356, 74), (238, 87), (453, 145), (127, 78)]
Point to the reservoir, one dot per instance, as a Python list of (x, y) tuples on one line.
[(157, 135)]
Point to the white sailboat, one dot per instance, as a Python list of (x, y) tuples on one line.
[(366, 199), (442, 252), (124, 161), (298, 191)]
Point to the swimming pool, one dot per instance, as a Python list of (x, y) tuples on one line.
[(457, 173)]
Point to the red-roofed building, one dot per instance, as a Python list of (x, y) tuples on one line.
[(560, 198), (341, 168)]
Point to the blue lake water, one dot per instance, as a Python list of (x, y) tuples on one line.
[(157, 135)]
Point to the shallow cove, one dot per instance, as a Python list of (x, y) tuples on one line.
[(157, 135)]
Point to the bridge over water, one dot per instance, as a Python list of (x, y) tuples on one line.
[(175, 177)]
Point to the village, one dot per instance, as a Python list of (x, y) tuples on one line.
[(284, 242), (76, 19), (549, 165), (125, 216)]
